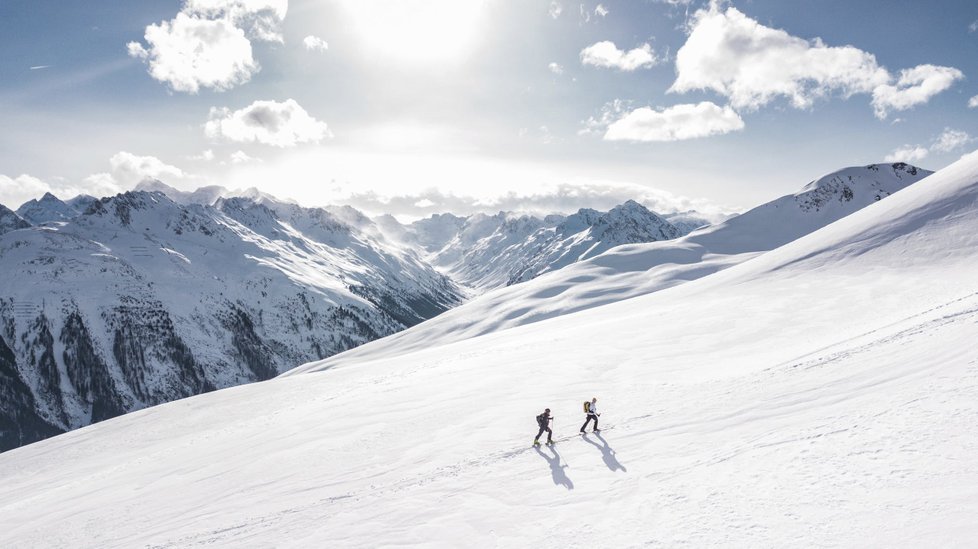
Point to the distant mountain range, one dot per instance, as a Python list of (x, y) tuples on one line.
[(632, 270), (114, 304)]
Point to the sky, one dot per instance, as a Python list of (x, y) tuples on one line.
[(413, 107)]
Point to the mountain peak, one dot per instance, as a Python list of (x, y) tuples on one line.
[(864, 183), (46, 209), (10, 221)]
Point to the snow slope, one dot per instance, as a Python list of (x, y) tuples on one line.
[(822, 394), (631, 270)]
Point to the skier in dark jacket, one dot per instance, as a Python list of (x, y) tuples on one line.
[(592, 413), (543, 420)]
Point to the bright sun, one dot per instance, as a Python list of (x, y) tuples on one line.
[(418, 31)]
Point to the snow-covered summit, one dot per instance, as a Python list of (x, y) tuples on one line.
[(204, 196), (46, 209), (484, 251), (589, 233)]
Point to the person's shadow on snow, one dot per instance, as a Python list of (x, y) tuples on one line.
[(607, 453), (556, 469)]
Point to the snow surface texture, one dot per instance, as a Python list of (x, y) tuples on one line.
[(142, 300), (632, 270), (821, 394)]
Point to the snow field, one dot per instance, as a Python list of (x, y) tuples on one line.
[(822, 394)]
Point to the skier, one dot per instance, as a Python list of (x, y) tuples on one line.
[(591, 409), (543, 420)]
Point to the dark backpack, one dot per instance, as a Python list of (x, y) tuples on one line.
[(542, 420)]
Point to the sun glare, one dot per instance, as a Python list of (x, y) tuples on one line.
[(418, 31)]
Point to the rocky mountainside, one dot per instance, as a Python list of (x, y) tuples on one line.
[(50, 208), (111, 305), (141, 300), (483, 252), (10, 221), (486, 251)]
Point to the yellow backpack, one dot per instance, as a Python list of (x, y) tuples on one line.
[(587, 407)]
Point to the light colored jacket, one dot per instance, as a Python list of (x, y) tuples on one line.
[(593, 409)]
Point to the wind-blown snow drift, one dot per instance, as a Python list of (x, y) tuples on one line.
[(824, 393)]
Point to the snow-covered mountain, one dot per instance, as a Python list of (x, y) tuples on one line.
[(10, 221), (631, 270), (50, 208), (822, 393), (142, 300), (203, 196), (484, 252), (159, 294)]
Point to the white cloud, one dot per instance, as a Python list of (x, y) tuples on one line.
[(675, 123), (206, 156), (208, 43), (315, 43), (606, 54), (556, 68), (14, 191), (284, 124), (555, 9), (907, 153), (950, 140), (752, 65), (128, 169), (609, 113), (543, 200), (262, 19), (241, 157), (600, 10), (973, 27), (973, 102), (915, 86)]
